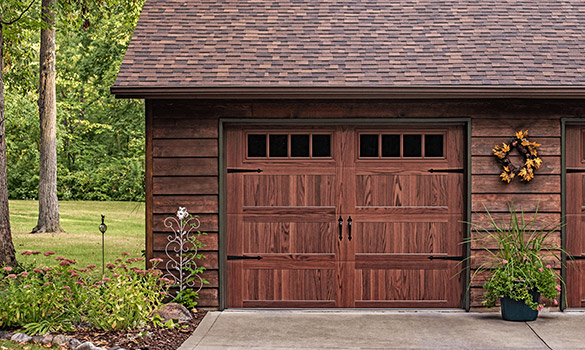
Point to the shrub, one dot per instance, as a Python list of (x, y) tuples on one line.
[(63, 296)]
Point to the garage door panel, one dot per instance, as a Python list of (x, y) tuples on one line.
[(401, 237), (402, 191), (410, 285), (289, 237), (289, 190), (290, 285)]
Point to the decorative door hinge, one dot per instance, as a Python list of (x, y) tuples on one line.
[(456, 258), (244, 171), (243, 257), (459, 171)]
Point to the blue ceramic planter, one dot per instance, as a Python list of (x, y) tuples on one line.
[(517, 310)]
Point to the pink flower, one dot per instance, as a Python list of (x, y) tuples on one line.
[(35, 252), (540, 306), (548, 266), (67, 288), (47, 284), (7, 268), (59, 258), (115, 275), (47, 269), (504, 261), (107, 279), (124, 253), (556, 302), (11, 276), (49, 253), (130, 261), (64, 263), (123, 266), (24, 273), (26, 252), (110, 266), (140, 259), (118, 260), (82, 270), (153, 260), (540, 269), (37, 270), (164, 293), (91, 267), (79, 282), (557, 287)]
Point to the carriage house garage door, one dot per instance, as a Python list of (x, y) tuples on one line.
[(344, 216)]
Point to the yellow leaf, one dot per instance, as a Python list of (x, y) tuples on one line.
[(529, 162), (537, 162), (505, 147)]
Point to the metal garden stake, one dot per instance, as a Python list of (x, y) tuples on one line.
[(103, 229)]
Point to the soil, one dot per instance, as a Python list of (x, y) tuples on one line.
[(149, 338)]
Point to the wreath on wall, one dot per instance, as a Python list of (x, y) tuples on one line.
[(531, 160)]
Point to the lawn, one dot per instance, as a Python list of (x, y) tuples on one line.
[(82, 240), (9, 345)]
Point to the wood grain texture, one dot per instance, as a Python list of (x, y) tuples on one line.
[(195, 204), (527, 202), (209, 223), (172, 148), (481, 146), (209, 240), (185, 166), (180, 185), (507, 126), (540, 184), (149, 191), (185, 128), (488, 165)]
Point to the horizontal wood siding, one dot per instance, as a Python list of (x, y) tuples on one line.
[(488, 192), (184, 150), (185, 173)]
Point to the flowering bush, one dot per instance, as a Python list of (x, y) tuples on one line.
[(64, 295), (518, 264)]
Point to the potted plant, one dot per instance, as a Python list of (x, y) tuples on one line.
[(519, 266)]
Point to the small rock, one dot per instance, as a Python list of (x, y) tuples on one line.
[(87, 346), (38, 339), (115, 348), (47, 339), (174, 311), (74, 343), (5, 335), (60, 340), (21, 338)]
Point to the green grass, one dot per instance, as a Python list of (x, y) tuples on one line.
[(10, 345), (82, 240)]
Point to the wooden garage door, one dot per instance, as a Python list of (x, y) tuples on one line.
[(344, 216), (575, 215)]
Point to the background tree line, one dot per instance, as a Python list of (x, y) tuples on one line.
[(100, 140)]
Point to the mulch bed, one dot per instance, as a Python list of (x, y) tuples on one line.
[(150, 338)]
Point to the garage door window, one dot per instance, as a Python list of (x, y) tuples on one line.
[(288, 146), (400, 146)]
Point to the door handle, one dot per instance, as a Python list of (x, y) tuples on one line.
[(340, 221), (349, 228)]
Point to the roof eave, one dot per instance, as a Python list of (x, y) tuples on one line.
[(411, 92)]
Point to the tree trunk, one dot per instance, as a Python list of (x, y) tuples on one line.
[(7, 255), (48, 201)]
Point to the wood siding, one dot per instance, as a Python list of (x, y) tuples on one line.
[(183, 157)]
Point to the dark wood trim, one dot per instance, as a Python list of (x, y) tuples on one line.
[(304, 92), (148, 182)]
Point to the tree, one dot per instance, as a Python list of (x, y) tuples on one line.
[(48, 201), (7, 253)]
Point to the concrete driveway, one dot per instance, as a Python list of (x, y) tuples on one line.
[(385, 330)]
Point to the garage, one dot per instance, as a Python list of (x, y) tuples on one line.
[(345, 216)]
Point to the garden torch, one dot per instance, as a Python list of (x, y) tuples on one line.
[(103, 229)]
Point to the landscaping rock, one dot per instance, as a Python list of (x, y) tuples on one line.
[(38, 339), (116, 348), (60, 340), (74, 343), (174, 311), (47, 339), (87, 346), (6, 335), (21, 338)]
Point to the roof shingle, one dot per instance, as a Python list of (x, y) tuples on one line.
[(353, 43)]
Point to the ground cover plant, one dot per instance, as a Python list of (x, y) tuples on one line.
[(82, 239), (57, 294)]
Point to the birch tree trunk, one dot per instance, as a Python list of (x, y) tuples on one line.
[(48, 201), (7, 255)]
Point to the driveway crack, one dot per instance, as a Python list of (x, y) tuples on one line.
[(538, 336)]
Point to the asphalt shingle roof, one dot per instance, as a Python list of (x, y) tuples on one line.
[(373, 43)]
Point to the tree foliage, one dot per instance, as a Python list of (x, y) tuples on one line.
[(100, 139)]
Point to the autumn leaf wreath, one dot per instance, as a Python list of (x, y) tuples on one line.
[(526, 148)]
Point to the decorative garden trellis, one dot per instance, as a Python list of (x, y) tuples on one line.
[(182, 252)]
